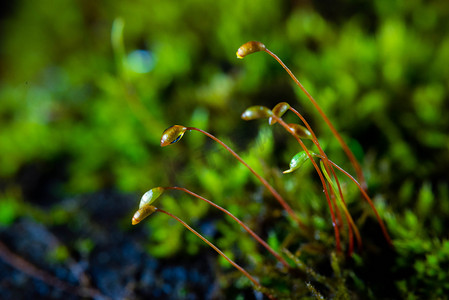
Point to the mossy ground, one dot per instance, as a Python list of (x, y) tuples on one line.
[(86, 90)]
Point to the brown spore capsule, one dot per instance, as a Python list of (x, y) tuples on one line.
[(279, 110), (300, 131), (256, 112), (172, 135), (142, 213), (250, 47)]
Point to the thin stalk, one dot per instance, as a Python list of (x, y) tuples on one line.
[(252, 233), (345, 209), (244, 272), (367, 198), (345, 147), (323, 182), (328, 167), (261, 179)]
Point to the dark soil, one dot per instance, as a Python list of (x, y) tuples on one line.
[(116, 266)]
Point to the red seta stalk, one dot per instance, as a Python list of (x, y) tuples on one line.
[(368, 199), (329, 166), (244, 272), (261, 179), (345, 147), (252, 233), (323, 182), (258, 112)]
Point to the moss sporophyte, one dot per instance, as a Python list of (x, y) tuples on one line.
[(325, 170)]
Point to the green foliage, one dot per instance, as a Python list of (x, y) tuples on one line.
[(9, 209), (84, 246), (59, 254), (428, 260), (167, 234), (76, 92)]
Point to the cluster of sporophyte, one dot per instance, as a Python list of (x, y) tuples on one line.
[(324, 167)]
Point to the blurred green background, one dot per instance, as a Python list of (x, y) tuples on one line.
[(86, 89)]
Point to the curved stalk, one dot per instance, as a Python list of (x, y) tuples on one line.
[(367, 198), (328, 167), (345, 147), (261, 179), (323, 182), (317, 144), (345, 209), (242, 270), (252, 233)]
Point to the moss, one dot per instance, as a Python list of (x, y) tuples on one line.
[(69, 88)]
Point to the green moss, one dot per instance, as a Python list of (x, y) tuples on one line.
[(69, 89), (59, 254), (9, 210)]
